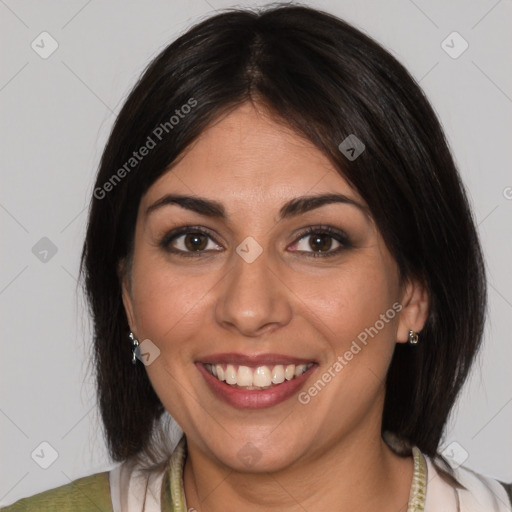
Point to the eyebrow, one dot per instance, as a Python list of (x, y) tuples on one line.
[(292, 208)]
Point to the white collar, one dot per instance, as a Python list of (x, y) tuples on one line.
[(135, 490), (483, 494)]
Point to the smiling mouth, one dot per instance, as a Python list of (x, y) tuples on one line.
[(258, 377)]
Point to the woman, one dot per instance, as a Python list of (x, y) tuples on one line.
[(280, 242)]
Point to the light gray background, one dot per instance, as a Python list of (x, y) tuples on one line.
[(56, 115)]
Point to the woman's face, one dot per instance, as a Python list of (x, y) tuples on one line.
[(294, 301)]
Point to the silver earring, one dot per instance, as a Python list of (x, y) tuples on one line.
[(135, 347), (413, 337)]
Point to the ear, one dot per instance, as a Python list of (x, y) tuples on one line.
[(126, 292), (415, 308)]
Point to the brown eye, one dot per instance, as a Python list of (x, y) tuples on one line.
[(319, 243), (322, 241), (195, 241), (189, 240)]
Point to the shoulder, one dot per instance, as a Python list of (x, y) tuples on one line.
[(84, 494), (481, 493)]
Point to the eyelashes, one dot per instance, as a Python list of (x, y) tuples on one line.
[(195, 241), (316, 233), (172, 236)]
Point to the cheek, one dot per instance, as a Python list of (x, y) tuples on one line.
[(359, 323), (350, 303), (167, 302)]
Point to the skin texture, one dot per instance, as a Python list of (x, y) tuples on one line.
[(324, 455)]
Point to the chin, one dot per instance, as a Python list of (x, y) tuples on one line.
[(259, 454)]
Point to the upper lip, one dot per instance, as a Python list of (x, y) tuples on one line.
[(252, 359)]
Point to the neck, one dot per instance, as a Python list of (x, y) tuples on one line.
[(358, 472)]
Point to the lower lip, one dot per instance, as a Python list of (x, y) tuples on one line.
[(254, 399)]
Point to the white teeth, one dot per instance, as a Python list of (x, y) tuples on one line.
[(278, 374), (289, 372), (262, 377), (230, 374), (300, 369), (220, 374), (257, 378), (244, 376)]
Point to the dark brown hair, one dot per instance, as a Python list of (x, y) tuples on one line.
[(326, 80)]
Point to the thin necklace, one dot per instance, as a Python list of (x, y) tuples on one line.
[(417, 494)]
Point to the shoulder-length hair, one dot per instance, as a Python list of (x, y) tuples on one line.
[(326, 80)]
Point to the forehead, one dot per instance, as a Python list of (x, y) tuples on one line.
[(248, 156)]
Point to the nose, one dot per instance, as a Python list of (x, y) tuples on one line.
[(252, 300)]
